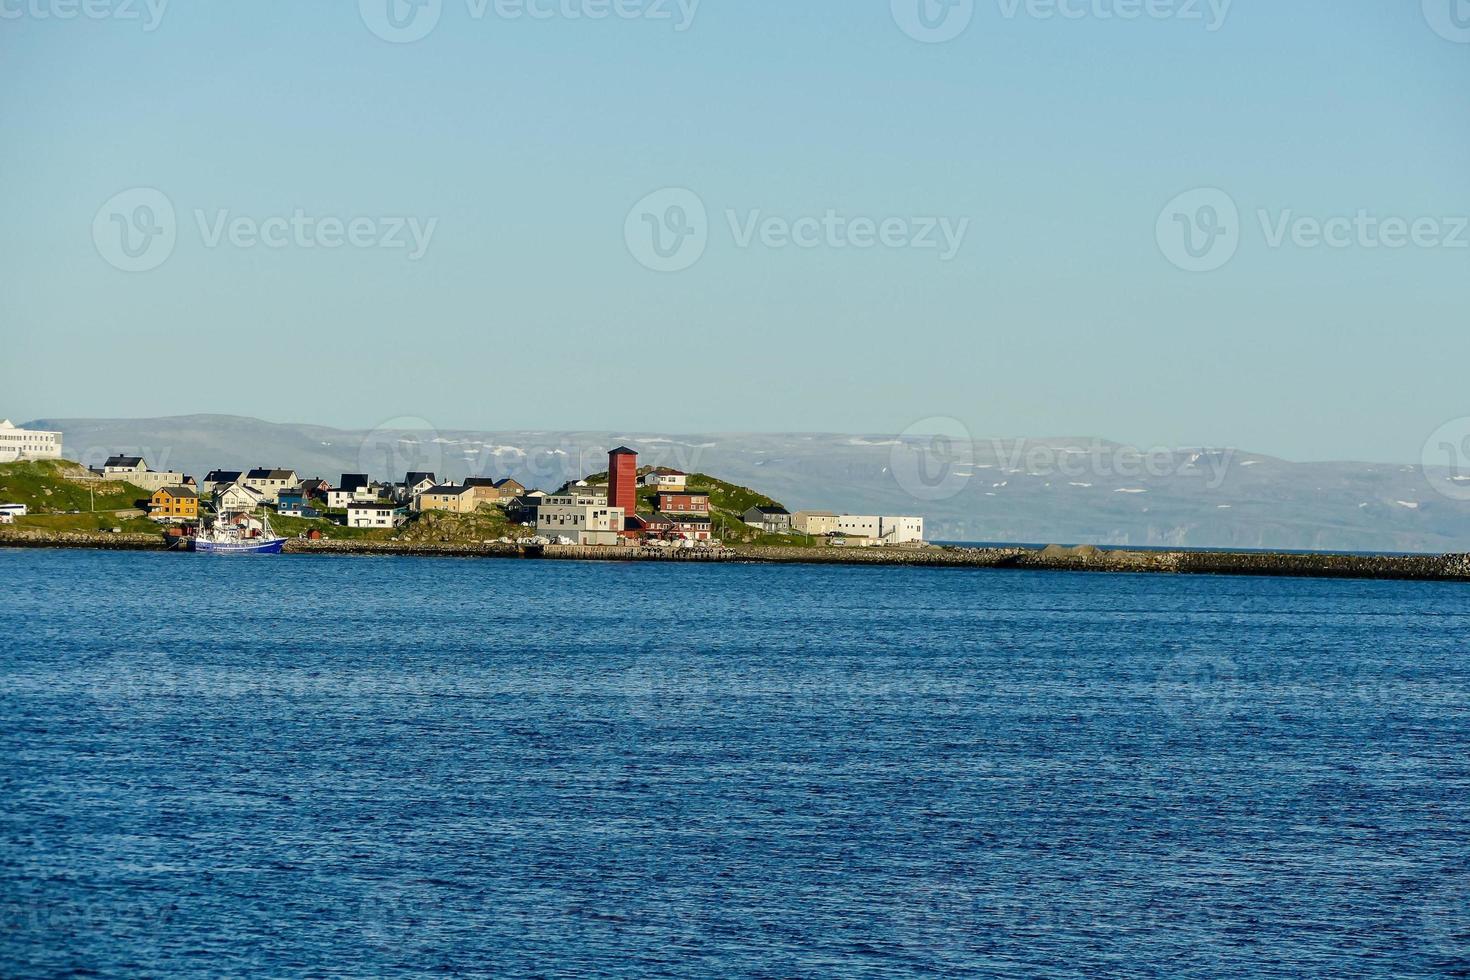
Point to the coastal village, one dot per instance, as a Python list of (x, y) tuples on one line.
[(627, 506)]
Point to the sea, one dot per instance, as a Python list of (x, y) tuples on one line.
[(367, 766)]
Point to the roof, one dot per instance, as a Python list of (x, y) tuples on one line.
[(414, 479), (480, 481), (351, 481), (264, 474), (815, 513), (623, 451), (183, 493), (502, 484), (686, 492), (222, 476), (447, 491), (242, 488), (771, 511), (127, 462)]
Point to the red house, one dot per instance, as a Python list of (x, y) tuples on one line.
[(678, 502)]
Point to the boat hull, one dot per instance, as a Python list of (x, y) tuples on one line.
[(272, 546)]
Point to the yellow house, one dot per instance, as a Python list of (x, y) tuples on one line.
[(455, 500), (174, 504)]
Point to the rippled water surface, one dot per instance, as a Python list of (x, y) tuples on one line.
[(306, 766)]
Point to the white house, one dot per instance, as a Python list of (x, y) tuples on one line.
[(270, 483), (338, 499), (237, 498), (16, 444), (585, 518), (134, 470), (375, 515), (882, 530), (667, 480)]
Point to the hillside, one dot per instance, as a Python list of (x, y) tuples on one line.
[(728, 502), (59, 499)]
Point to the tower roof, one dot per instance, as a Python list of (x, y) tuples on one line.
[(623, 451)]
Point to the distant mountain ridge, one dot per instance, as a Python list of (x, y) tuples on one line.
[(1068, 491)]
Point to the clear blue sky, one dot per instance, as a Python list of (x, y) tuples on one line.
[(1059, 140)]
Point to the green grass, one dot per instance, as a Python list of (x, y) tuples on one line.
[(90, 522), (50, 486)]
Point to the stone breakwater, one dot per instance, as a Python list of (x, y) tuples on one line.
[(22, 537), (1451, 568)]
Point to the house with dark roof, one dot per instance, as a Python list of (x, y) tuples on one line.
[(134, 470), (174, 504), (771, 520), (270, 483)]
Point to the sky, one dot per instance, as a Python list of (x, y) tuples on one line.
[(1164, 222)]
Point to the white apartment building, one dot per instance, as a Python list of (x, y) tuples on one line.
[(375, 515), (883, 530), (338, 499), (585, 518), (16, 444), (134, 470)]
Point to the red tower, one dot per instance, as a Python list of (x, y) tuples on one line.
[(622, 480)]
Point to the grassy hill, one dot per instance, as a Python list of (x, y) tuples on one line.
[(61, 498), (56, 486)]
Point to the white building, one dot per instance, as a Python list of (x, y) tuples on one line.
[(585, 518), (16, 444), (817, 523), (134, 470), (882, 530), (270, 483), (237, 498), (667, 480), (375, 515), (338, 499), (13, 510)]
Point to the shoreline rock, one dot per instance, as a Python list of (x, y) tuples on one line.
[(1447, 568)]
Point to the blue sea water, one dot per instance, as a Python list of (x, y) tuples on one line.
[(367, 767)]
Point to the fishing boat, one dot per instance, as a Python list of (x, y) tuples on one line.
[(227, 537)]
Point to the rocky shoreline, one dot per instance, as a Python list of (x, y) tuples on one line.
[(1449, 568)]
